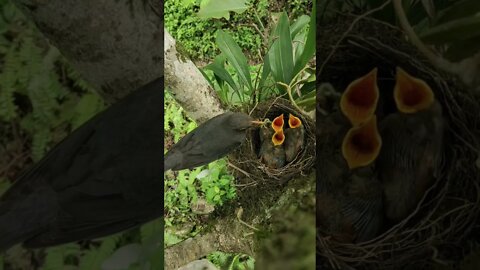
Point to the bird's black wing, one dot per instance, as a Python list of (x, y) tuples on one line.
[(105, 176), (208, 142)]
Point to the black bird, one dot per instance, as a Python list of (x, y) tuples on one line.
[(102, 179), (210, 141)]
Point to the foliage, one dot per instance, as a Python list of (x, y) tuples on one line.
[(190, 30), (220, 8), (292, 48), (32, 90), (456, 28), (452, 26), (188, 22), (232, 261)]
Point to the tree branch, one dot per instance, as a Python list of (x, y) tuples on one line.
[(187, 84), (115, 45)]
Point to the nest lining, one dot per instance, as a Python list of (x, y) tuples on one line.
[(445, 217)]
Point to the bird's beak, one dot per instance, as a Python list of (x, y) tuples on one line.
[(258, 122), (278, 138), (359, 101), (411, 94), (294, 122), (277, 123), (362, 144)]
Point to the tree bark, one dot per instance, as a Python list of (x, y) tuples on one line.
[(187, 84), (115, 44)]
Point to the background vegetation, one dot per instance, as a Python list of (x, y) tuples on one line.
[(240, 56)]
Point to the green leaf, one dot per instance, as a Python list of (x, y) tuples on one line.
[(459, 10), (94, 258), (299, 24), (461, 29), (223, 74), (281, 54), (265, 72), (152, 228), (86, 108), (310, 44), (235, 57), (207, 77), (55, 258), (221, 8)]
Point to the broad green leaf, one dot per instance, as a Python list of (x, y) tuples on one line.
[(298, 25), (223, 74), (298, 44), (459, 10), (461, 29), (310, 43), (281, 54), (235, 57), (307, 89), (265, 72), (221, 8), (207, 77)]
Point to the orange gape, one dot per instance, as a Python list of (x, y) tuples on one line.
[(277, 123), (362, 144), (294, 122), (359, 101), (278, 138), (411, 94)]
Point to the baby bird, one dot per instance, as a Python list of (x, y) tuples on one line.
[(349, 195), (359, 101), (272, 152), (294, 138), (412, 146)]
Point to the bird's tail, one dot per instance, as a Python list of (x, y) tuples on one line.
[(10, 232), (23, 218), (171, 161)]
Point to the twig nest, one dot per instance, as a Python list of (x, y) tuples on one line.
[(249, 161), (444, 220)]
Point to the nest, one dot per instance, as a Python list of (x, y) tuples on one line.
[(443, 222), (246, 159)]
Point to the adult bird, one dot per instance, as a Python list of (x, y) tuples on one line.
[(349, 195), (210, 141), (412, 149), (103, 178)]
